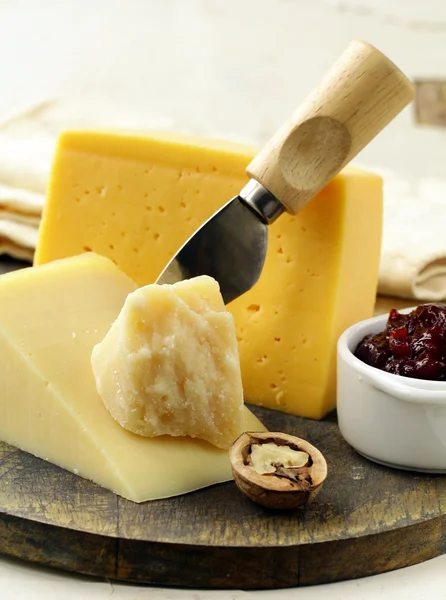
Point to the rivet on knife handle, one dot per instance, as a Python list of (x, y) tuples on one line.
[(355, 100)]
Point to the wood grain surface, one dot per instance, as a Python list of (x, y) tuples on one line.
[(367, 519)]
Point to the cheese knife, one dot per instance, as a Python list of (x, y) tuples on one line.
[(357, 98)]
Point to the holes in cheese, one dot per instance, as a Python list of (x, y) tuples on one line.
[(170, 365), (51, 317)]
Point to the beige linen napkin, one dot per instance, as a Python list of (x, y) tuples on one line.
[(413, 256), (20, 212)]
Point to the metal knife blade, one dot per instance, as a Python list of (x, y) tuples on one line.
[(231, 246)]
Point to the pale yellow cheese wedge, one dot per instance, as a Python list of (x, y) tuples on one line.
[(170, 364), (51, 317)]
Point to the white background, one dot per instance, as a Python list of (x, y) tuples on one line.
[(227, 68), (232, 68)]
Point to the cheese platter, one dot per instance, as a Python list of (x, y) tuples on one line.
[(367, 519), (127, 450)]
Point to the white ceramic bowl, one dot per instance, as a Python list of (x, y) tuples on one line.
[(397, 421)]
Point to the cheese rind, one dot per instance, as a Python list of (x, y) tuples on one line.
[(138, 200), (169, 364), (51, 317)]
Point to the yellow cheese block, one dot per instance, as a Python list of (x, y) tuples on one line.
[(51, 317), (136, 200), (170, 364), (320, 277)]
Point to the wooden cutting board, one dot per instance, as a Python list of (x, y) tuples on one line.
[(367, 519)]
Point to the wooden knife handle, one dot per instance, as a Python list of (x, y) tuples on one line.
[(357, 98)]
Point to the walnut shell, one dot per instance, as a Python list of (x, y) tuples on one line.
[(285, 489)]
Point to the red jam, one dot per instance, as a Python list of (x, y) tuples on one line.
[(412, 345)]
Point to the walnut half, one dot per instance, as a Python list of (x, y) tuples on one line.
[(277, 470)]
